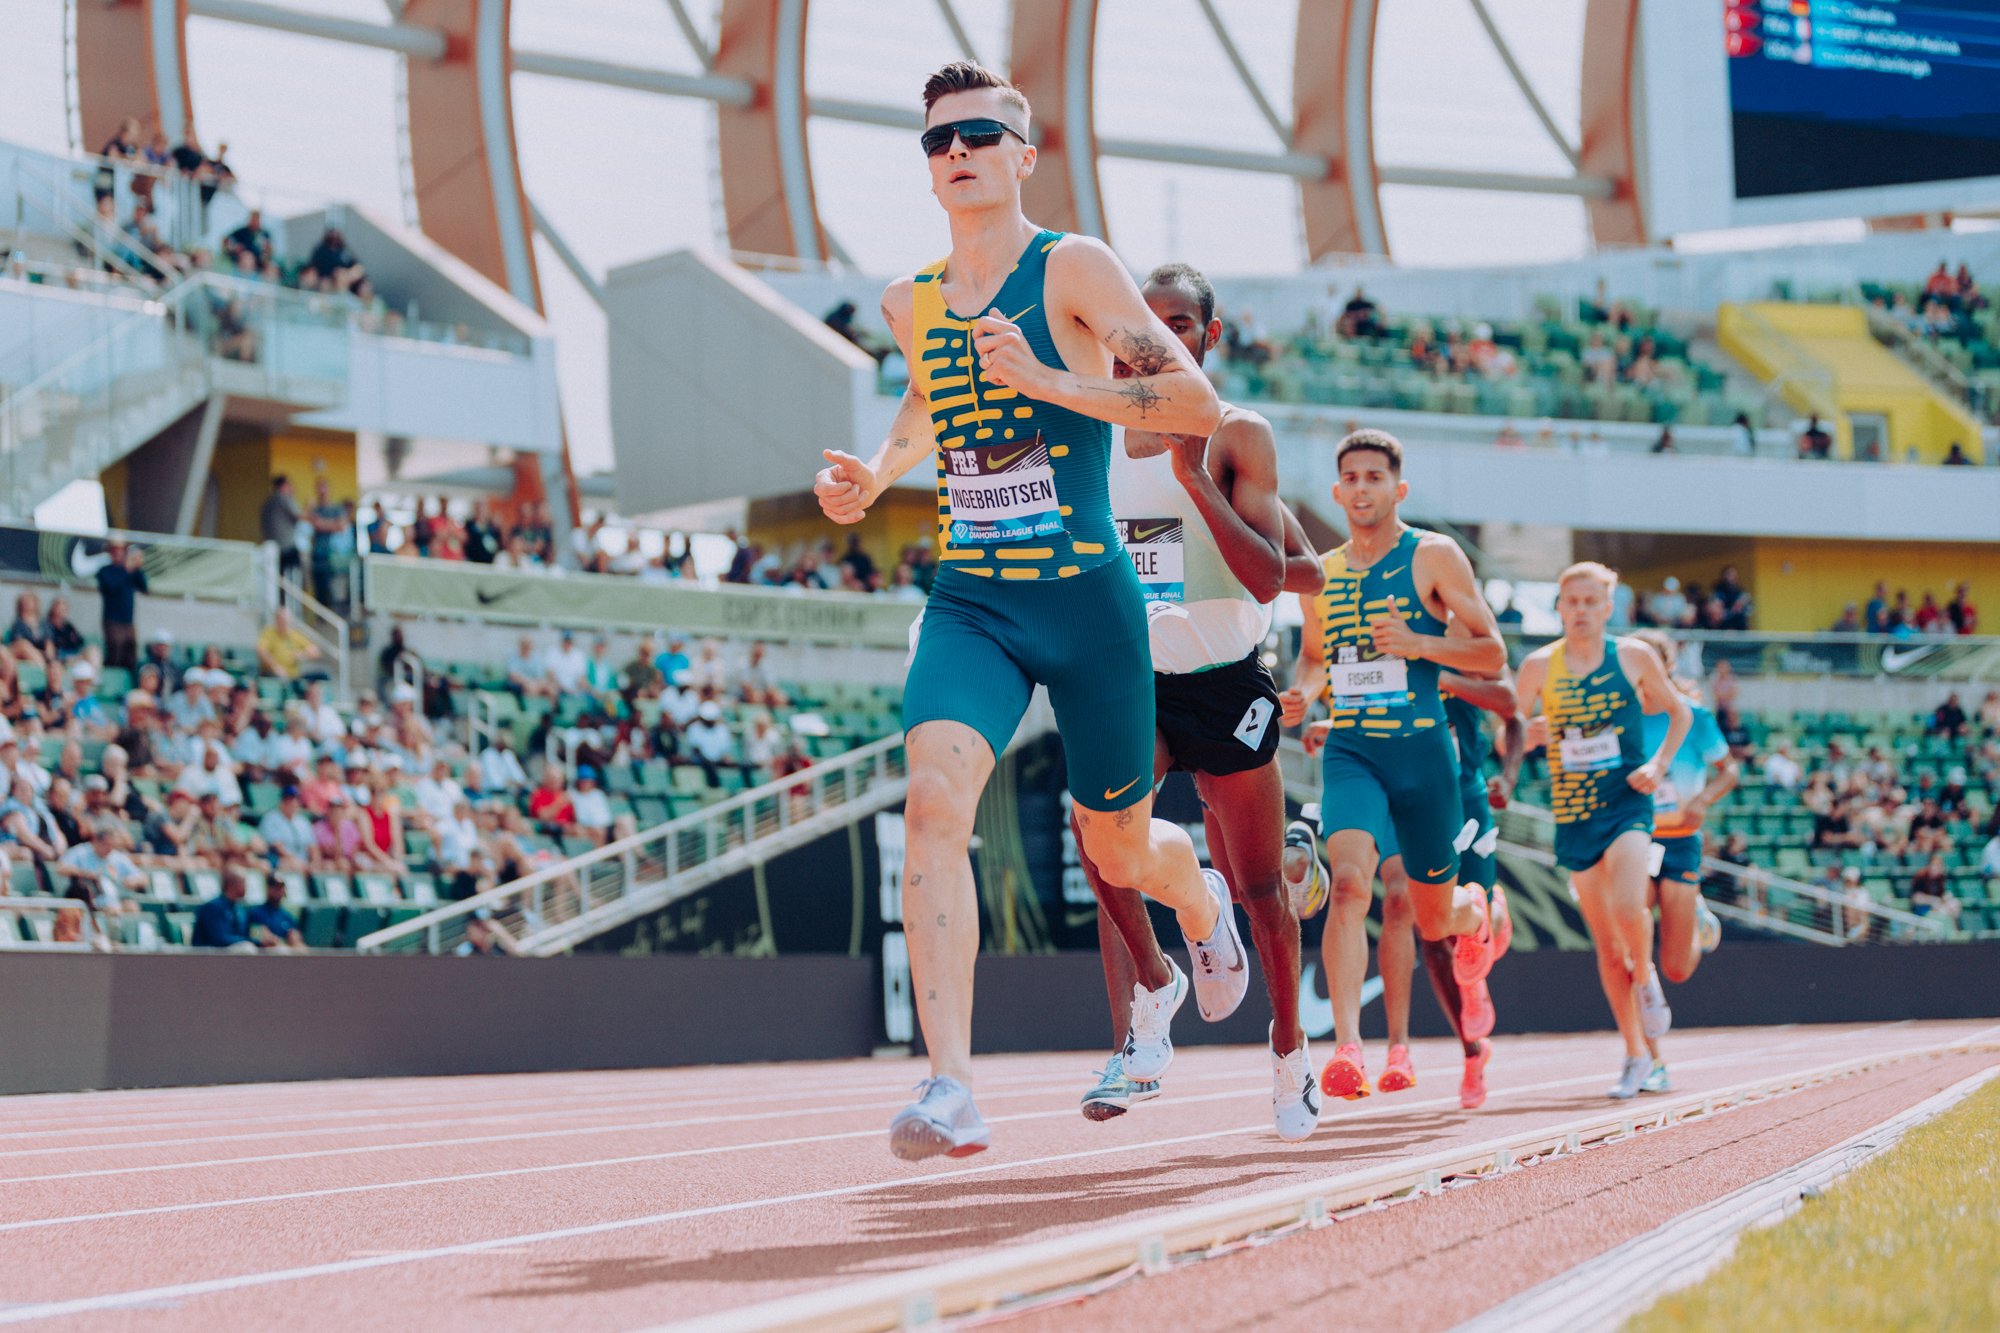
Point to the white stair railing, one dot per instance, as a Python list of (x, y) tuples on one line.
[(562, 905)]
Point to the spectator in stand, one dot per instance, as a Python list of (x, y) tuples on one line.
[(1361, 317), (1600, 363), (211, 774), (287, 831), (1668, 608), (1900, 620), (119, 581), (763, 742), (332, 524), (482, 535), (282, 648), (101, 869), (841, 319), (222, 922), (1781, 768), (252, 238), (1815, 442), (1989, 857), (550, 806), (755, 684), (278, 523), (858, 562), (500, 771), (65, 640), (1941, 286), (340, 840), (332, 267), (437, 795), (483, 938), (516, 554), (590, 808), (1875, 617), (1957, 457), (1833, 830), (1849, 622), (1930, 892), (527, 674), (568, 667), (1959, 611), (28, 636), (709, 743), (272, 925), (1948, 719)]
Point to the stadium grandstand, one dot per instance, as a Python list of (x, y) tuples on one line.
[(415, 549)]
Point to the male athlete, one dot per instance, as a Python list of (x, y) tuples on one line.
[(1702, 774), (1374, 642), (1471, 1017), (1591, 693), (1213, 546), (1017, 398)]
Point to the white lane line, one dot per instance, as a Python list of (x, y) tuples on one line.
[(1382, 1108), (566, 1132), (25, 1313)]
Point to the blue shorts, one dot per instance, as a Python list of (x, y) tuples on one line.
[(984, 644), (1682, 862), (1403, 792), (1478, 837), (1582, 843)]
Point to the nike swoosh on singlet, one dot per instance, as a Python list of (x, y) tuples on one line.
[(1110, 795), (1391, 573), (1601, 680), (997, 463)]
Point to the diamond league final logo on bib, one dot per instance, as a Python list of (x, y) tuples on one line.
[(1002, 492)]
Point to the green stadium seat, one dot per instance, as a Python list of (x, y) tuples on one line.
[(332, 889), (359, 921), (320, 925)]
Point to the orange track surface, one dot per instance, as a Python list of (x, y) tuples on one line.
[(628, 1199)]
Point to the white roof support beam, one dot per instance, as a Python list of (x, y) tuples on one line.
[(959, 35), (1244, 73), (1520, 76), (422, 43), (696, 42), (570, 259)]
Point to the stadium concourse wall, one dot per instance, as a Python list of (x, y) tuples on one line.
[(72, 1022)]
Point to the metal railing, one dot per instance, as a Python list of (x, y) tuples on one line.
[(328, 630), (34, 924), (562, 905)]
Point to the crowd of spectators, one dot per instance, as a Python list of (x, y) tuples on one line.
[(1893, 615), (200, 768)]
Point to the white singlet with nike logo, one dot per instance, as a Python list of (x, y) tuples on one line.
[(1197, 615)]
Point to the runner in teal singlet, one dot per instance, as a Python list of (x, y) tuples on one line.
[(1585, 695), (1010, 342)]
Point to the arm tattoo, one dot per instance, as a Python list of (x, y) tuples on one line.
[(901, 442), (1140, 394), (1143, 352)]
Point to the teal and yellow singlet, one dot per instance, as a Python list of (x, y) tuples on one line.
[(1596, 739), (1388, 759), (1022, 491), (1034, 587)]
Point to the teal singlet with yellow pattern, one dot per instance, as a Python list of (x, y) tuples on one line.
[(1021, 484), (1388, 765), (1596, 739)]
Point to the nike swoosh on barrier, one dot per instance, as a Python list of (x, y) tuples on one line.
[(488, 598), (1895, 659), (1110, 795)]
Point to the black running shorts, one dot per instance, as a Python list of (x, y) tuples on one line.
[(1220, 721)]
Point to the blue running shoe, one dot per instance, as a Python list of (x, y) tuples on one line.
[(941, 1120), (1117, 1092)]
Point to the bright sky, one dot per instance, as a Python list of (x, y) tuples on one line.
[(627, 175)]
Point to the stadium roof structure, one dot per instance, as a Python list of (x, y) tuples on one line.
[(750, 66)]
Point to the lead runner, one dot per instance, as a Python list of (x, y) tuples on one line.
[(1034, 585)]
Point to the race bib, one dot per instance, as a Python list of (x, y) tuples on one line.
[(1002, 493), (1158, 556), (1589, 754), (1382, 683), (1666, 796)]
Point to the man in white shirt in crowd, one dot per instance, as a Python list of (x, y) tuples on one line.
[(293, 752), (107, 872), (367, 713), (526, 674), (1781, 769), (500, 770), (14, 765), (709, 741), (438, 794), (212, 773), (190, 707), (1669, 605), (457, 837), (592, 806), (288, 831), (568, 665), (323, 723)]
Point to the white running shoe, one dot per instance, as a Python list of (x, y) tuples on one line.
[(1149, 1043), (1632, 1079), (1654, 1016), (1221, 968), (1294, 1094), (941, 1120), (1308, 894), (1708, 928)]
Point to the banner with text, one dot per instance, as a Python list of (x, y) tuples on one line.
[(607, 601)]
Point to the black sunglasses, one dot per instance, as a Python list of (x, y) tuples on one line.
[(980, 133)]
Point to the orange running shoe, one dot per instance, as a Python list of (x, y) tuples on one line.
[(1475, 1011), (1472, 955), (1472, 1088), (1503, 923), (1345, 1076), (1399, 1074)]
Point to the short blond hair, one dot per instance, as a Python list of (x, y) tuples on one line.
[(1589, 569)]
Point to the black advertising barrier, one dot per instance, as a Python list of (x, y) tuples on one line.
[(175, 566), (70, 1022)]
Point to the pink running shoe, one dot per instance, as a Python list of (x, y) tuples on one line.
[(1345, 1076), (1399, 1074), (1475, 1011), (1472, 1088), (1472, 955), (1503, 923)]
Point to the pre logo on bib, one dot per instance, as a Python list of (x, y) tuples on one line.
[(1001, 493), (1158, 549)]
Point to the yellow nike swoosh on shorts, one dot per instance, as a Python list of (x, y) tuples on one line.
[(1110, 795)]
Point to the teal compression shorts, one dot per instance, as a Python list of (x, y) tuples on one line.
[(1682, 862), (1407, 785), (1582, 844), (1478, 837), (984, 644)]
